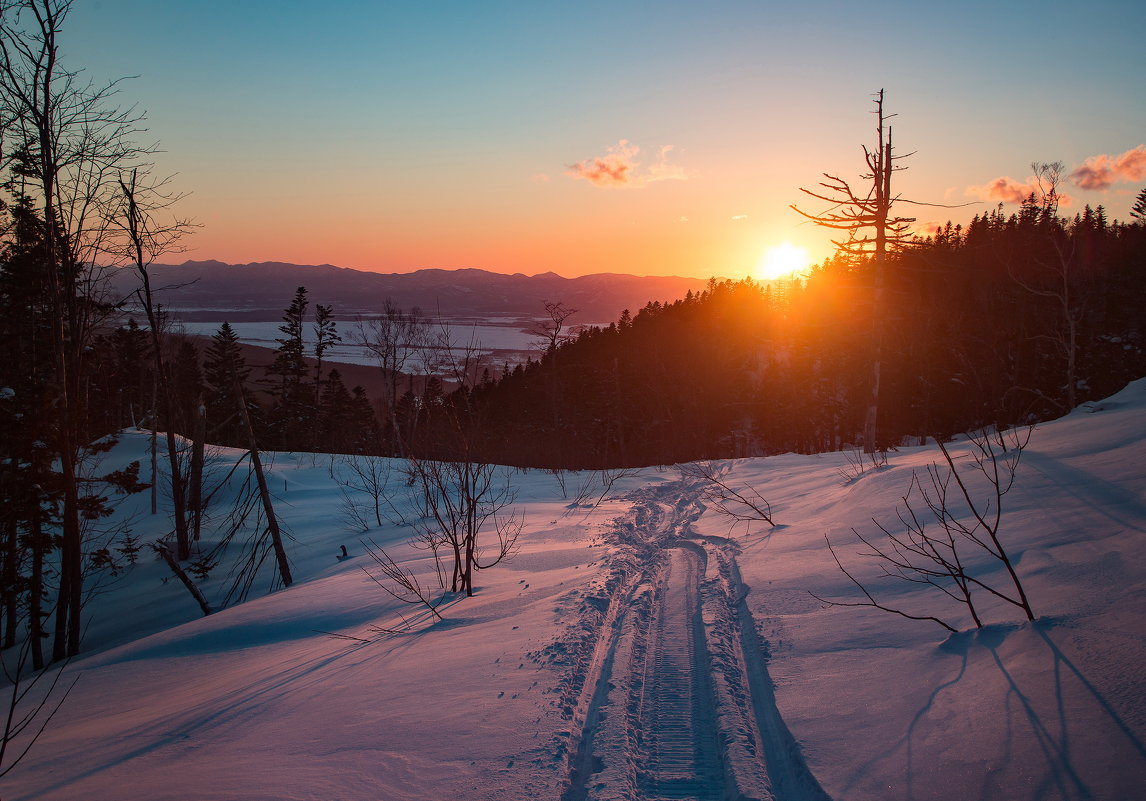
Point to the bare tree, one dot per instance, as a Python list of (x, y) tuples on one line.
[(368, 478), (1060, 268), (145, 239), (264, 492), (548, 334), (944, 558), (397, 582), (32, 702), (468, 501), (68, 145), (395, 339), (743, 504), (871, 230)]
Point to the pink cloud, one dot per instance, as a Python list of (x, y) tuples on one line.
[(621, 167), (1099, 172), (615, 168), (1004, 190), (1007, 190)]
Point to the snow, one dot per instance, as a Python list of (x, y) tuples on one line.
[(558, 679)]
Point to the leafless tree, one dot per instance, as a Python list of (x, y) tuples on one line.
[(144, 239), (397, 582), (548, 333), (871, 230), (468, 502), (68, 143), (364, 482), (944, 557), (740, 504), (32, 702), (396, 339), (1061, 270)]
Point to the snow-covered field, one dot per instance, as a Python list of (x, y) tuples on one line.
[(638, 647)]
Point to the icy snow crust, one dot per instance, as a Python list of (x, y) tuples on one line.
[(636, 648)]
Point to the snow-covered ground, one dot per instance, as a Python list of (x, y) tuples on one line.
[(638, 647)]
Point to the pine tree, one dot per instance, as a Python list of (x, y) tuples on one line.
[(1138, 210), (292, 415), (223, 368)]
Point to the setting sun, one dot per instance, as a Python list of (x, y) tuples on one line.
[(780, 261)]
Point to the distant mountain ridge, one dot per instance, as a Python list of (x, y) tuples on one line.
[(261, 290)]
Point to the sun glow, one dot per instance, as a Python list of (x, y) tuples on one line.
[(781, 261)]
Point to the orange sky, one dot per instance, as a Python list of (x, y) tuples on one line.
[(601, 137)]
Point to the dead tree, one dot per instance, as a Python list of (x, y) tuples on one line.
[(872, 230), (264, 492), (161, 548)]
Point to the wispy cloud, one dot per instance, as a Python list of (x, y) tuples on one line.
[(739, 217), (1007, 190), (620, 166), (1101, 171)]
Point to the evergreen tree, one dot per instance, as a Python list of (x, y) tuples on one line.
[(292, 414), (1138, 210), (224, 369)]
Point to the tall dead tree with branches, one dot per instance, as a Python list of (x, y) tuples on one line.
[(872, 230)]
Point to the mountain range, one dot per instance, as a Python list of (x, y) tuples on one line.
[(260, 291)]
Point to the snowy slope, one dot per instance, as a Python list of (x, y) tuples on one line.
[(636, 648)]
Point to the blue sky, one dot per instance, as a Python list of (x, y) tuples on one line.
[(395, 136)]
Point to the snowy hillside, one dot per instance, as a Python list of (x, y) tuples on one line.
[(640, 645)]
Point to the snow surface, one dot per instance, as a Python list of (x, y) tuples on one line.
[(637, 647)]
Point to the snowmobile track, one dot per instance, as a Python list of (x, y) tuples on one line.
[(676, 701)]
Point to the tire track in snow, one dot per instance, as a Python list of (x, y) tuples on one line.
[(677, 702), (682, 758)]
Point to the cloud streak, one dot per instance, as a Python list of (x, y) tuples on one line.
[(1007, 190), (620, 167), (1102, 171)]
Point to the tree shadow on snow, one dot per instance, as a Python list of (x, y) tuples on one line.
[(1053, 726)]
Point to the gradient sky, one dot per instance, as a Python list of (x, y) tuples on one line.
[(647, 138)]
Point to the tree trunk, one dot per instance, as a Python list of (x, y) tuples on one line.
[(264, 493), (196, 593), (195, 491)]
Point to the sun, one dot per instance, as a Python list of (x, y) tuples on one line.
[(781, 261)]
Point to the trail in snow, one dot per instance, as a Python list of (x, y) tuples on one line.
[(675, 700), (683, 760)]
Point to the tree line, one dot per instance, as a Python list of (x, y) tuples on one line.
[(1010, 319)]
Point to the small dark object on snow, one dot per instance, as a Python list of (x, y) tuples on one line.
[(342, 555)]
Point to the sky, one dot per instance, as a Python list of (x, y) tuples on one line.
[(664, 138)]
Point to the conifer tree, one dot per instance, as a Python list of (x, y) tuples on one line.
[(293, 410), (223, 368)]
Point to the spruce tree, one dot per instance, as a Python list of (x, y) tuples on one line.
[(223, 368)]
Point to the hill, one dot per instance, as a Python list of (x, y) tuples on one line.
[(572, 672)]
